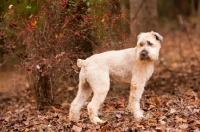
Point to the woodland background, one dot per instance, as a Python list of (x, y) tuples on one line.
[(40, 41)]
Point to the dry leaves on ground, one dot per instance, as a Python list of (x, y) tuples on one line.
[(171, 101)]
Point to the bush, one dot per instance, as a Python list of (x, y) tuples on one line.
[(54, 38), (59, 33)]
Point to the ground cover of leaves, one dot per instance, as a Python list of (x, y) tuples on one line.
[(171, 100)]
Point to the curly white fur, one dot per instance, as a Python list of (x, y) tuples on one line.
[(133, 66)]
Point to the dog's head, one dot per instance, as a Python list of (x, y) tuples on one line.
[(148, 46)]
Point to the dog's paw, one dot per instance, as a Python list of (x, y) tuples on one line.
[(73, 116), (97, 120), (138, 114)]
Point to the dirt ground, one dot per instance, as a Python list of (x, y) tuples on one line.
[(171, 101)]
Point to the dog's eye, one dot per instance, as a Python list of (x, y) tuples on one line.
[(141, 44), (149, 43)]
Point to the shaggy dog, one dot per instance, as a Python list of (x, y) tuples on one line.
[(133, 66)]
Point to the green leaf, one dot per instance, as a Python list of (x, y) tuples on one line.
[(88, 3), (28, 7), (31, 16)]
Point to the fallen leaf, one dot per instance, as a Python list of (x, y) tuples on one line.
[(162, 122), (152, 121), (172, 110), (156, 100), (7, 118), (56, 109), (183, 126), (159, 129), (151, 106), (118, 115), (33, 100), (76, 128), (191, 93), (106, 128), (110, 108), (139, 126), (180, 120), (120, 104)]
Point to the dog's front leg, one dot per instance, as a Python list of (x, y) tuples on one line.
[(136, 91)]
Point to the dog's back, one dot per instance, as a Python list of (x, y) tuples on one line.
[(109, 58)]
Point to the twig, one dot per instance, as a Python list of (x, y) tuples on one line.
[(1, 64), (51, 88)]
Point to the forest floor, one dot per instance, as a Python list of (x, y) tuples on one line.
[(171, 100)]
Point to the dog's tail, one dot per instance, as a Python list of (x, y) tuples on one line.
[(81, 63)]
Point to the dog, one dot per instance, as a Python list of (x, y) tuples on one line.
[(133, 66)]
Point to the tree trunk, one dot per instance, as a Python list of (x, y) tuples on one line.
[(198, 20), (192, 8), (1, 46), (43, 92), (143, 15)]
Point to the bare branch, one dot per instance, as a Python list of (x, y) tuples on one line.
[(1, 64)]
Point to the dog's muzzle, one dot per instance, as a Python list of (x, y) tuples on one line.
[(144, 55)]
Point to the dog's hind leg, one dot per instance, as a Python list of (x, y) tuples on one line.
[(83, 94), (100, 85)]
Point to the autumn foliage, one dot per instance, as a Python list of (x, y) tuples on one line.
[(59, 33), (48, 42)]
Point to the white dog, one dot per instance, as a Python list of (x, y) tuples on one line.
[(133, 66)]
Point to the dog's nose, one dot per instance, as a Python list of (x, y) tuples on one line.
[(144, 53)]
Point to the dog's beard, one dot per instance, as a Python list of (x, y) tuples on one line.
[(143, 58), (149, 57)]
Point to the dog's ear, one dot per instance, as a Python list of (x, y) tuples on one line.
[(157, 35)]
